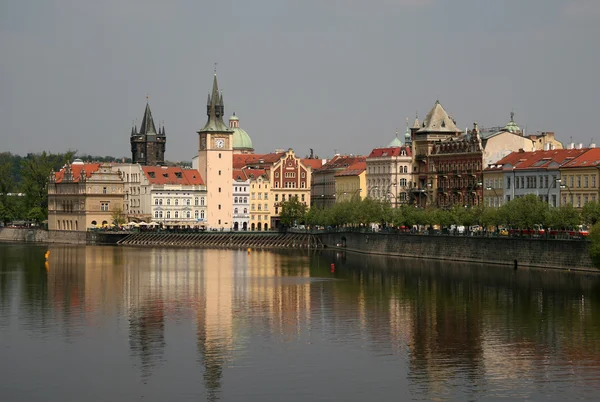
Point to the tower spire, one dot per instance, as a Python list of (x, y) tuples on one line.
[(215, 108)]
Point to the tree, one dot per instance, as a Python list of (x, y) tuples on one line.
[(591, 213), (36, 171), (37, 215), (118, 217), (292, 211), (594, 247)]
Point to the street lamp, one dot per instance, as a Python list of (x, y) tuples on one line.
[(471, 188), (490, 188), (563, 186), (550, 187)]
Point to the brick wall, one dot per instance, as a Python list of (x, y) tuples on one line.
[(528, 252)]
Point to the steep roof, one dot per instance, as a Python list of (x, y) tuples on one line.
[(241, 160), (239, 174), (353, 170), (312, 163), (438, 121), (88, 168), (147, 127), (172, 175), (215, 111), (389, 151)]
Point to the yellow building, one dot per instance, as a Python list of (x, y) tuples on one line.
[(84, 195), (580, 178), (351, 183), (493, 186), (278, 176)]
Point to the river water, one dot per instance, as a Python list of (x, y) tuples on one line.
[(138, 324)]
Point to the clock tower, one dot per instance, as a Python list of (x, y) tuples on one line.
[(215, 162)]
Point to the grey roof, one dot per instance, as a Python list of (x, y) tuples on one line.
[(215, 111), (147, 127), (438, 121)]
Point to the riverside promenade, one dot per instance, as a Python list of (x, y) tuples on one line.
[(506, 251)]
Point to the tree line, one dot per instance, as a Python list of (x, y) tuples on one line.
[(523, 213)]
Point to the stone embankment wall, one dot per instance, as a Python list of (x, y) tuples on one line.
[(30, 235), (540, 253)]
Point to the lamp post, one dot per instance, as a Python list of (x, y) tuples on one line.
[(471, 188), (562, 186), (490, 188), (371, 190), (388, 193), (549, 188)]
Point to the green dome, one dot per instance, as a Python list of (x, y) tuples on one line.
[(241, 139), (396, 143), (512, 127), (234, 117)]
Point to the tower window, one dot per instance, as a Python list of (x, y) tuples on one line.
[(219, 156), (219, 173)]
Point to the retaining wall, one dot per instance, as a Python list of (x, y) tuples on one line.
[(538, 253)]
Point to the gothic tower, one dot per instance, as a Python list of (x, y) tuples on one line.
[(215, 162), (148, 146)]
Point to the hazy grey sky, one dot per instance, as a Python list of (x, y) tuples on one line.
[(322, 74)]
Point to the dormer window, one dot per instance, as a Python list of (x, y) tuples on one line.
[(178, 175), (151, 174)]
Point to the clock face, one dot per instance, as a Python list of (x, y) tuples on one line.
[(219, 143)]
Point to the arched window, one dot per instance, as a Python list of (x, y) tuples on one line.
[(201, 214), (202, 201), (235, 200), (188, 215), (196, 201), (176, 214), (195, 214), (169, 214), (169, 201)]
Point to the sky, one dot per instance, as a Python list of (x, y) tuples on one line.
[(337, 76)]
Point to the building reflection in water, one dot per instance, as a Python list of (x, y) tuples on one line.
[(454, 323)]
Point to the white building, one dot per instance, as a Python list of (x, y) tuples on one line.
[(177, 196), (241, 200)]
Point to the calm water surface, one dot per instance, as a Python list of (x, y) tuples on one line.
[(126, 324)]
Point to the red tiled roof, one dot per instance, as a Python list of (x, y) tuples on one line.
[(76, 169), (172, 175), (341, 162), (256, 173), (312, 163), (589, 158), (241, 160), (390, 151), (239, 174), (353, 170), (541, 159)]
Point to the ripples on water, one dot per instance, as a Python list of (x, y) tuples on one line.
[(107, 323)]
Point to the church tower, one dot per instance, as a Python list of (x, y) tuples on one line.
[(148, 146), (215, 162)]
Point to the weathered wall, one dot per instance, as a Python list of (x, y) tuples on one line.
[(527, 252), (23, 235)]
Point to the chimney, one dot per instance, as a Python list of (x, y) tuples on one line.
[(547, 146), (579, 146), (521, 150), (571, 145), (592, 145)]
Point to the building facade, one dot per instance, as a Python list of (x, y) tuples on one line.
[(177, 196), (351, 183), (580, 179), (389, 174), (241, 200), (215, 162), (323, 192), (147, 145), (81, 196)]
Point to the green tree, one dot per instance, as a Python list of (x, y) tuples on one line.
[(594, 244), (37, 215), (292, 211), (36, 172), (118, 217), (591, 213), (563, 216)]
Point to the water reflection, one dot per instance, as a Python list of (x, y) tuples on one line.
[(457, 331)]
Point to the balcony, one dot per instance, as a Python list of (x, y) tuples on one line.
[(420, 157)]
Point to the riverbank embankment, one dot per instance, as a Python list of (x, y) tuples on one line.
[(508, 251), (526, 252)]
